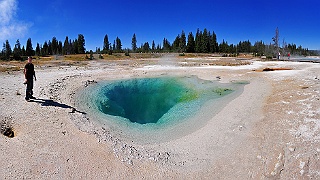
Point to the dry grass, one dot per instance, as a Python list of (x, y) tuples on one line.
[(199, 55), (7, 69), (55, 63), (7, 66), (245, 55), (76, 57), (221, 62), (122, 56), (137, 59), (203, 55), (229, 63), (114, 56), (67, 60)]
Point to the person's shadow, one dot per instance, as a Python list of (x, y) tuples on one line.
[(49, 102)]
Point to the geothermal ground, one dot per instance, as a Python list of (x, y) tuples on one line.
[(271, 130)]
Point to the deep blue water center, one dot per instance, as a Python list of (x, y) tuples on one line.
[(142, 100), (149, 100)]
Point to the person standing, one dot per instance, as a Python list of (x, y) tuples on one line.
[(29, 73)]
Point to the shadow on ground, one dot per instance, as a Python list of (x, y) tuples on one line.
[(49, 102)]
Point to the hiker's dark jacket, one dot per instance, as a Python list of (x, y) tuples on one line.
[(29, 70)]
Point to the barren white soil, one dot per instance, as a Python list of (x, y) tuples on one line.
[(271, 131)]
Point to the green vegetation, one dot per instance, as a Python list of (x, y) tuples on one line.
[(53, 47), (203, 42), (189, 96), (222, 91)]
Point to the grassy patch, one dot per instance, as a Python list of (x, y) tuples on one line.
[(220, 62), (189, 96), (7, 66), (222, 91)]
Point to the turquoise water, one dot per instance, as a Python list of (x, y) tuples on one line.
[(142, 100), (148, 100), (156, 109)]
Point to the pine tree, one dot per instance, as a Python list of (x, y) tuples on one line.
[(66, 49), (153, 46), (3, 51), (17, 51), (191, 43), (146, 47), (166, 45), (182, 42), (106, 44), (7, 50), (75, 43), (198, 41), (214, 47), (158, 48), (81, 44), (114, 45), (71, 46), (232, 49), (204, 42), (176, 43), (23, 51), (247, 46), (44, 50), (259, 48), (29, 48), (118, 45), (224, 47), (49, 48), (54, 45), (38, 51), (60, 47), (134, 43)]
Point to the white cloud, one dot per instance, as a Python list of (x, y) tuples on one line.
[(9, 26), (8, 10), (13, 31)]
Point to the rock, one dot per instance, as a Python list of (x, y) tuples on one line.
[(73, 110), (88, 82), (241, 128), (292, 149), (8, 132), (274, 164)]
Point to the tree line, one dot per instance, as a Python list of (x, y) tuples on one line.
[(206, 42), (203, 41), (51, 47)]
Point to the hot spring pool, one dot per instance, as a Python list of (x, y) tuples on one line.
[(156, 109)]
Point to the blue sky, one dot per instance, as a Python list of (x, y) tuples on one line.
[(231, 20)]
